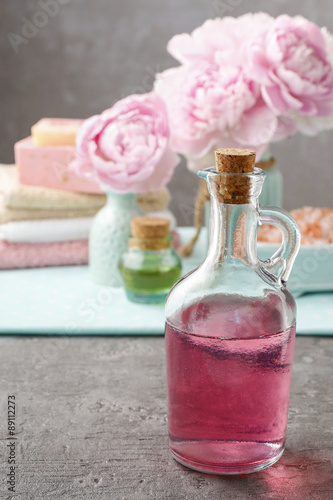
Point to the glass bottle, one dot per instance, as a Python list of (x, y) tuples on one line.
[(230, 330), (150, 266)]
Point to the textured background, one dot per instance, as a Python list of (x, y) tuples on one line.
[(90, 54)]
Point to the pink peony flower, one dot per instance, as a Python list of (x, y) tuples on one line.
[(219, 41), (204, 102), (211, 106), (313, 125), (247, 82), (126, 148), (290, 63)]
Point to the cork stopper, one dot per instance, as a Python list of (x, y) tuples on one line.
[(150, 227), (234, 189), (235, 161)]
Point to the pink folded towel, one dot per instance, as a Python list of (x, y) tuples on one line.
[(24, 255)]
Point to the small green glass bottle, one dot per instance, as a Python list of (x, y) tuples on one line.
[(150, 267)]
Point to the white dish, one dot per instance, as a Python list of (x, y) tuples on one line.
[(312, 271), (313, 268)]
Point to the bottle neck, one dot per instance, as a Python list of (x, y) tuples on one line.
[(233, 233), (117, 200)]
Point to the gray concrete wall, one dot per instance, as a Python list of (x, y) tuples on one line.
[(91, 53)]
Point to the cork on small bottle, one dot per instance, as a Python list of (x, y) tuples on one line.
[(149, 233), (232, 187)]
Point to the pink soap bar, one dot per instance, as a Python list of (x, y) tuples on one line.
[(48, 166)]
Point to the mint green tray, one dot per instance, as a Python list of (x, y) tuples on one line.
[(63, 300)]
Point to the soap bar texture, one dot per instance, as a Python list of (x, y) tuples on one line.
[(48, 166), (55, 132)]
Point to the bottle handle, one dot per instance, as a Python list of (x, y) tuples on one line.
[(279, 266)]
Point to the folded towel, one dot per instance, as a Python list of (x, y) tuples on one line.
[(23, 255), (19, 196), (15, 215), (46, 231)]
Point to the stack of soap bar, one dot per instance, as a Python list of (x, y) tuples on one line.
[(43, 159), (55, 132)]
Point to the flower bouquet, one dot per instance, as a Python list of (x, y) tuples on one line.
[(246, 82)]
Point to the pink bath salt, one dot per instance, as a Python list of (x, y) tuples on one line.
[(48, 166), (315, 223), (269, 234)]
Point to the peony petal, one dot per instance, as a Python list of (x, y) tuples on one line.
[(182, 48), (286, 127), (257, 127), (312, 126), (272, 95), (162, 174)]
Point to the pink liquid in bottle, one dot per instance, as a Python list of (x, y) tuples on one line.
[(228, 387)]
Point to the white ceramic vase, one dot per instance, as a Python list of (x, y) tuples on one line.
[(108, 238)]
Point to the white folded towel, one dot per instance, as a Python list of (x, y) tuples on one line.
[(46, 231)]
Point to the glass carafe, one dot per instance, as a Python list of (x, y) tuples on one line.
[(230, 332)]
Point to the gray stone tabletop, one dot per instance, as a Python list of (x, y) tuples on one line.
[(91, 424)]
